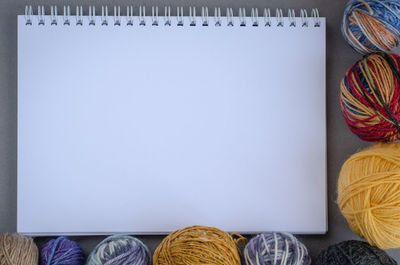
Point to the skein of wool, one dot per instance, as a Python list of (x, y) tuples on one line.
[(120, 250), (353, 253), (198, 245), (370, 97), (16, 249), (372, 25), (61, 251), (276, 249), (369, 194)]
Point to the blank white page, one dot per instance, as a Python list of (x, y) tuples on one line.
[(146, 129)]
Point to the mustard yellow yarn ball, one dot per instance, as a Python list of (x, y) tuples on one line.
[(369, 194), (197, 245)]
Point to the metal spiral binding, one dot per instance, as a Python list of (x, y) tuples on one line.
[(79, 14), (243, 21), (304, 18), (41, 15), (242, 17), (92, 15), (167, 16), (279, 17), (142, 16), (154, 16), (267, 17), (229, 16), (117, 16), (292, 18), (67, 15), (254, 17), (217, 17), (204, 16), (53, 16), (179, 16), (315, 15), (129, 15), (104, 15), (192, 17), (28, 15)]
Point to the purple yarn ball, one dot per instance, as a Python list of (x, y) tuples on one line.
[(61, 251)]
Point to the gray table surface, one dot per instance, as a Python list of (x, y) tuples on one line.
[(341, 142)]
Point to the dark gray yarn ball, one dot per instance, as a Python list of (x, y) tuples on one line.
[(354, 252)]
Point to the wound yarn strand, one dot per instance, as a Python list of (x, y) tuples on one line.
[(198, 245), (61, 251), (372, 25), (120, 250), (276, 249), (370, 97), (369, 194), (16, 249), (353, 252)]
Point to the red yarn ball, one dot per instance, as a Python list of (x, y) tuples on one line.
[(370, 97)]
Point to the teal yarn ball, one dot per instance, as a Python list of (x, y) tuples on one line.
[(120, 250)]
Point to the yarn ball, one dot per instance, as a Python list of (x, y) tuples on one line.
[(197, 245), (276, 249), (61, 251), (370, 97), (369, 194), (372, 25), (353, 252), (16, 249), (120, 250)]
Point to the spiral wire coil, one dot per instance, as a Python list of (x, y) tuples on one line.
[(132, 16)]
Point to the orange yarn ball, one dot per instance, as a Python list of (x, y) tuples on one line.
[(369, 194)]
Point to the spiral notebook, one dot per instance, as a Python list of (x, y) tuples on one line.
[(145, 121)]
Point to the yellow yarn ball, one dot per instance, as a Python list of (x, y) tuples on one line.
[(16, 249), (198, 245), (369, 194)]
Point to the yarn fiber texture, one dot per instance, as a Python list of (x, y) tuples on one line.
[(369, 194), (120, 250), (197, 245), (372, 25), (276, 249), (16, 249), (353, 252), (370, 97), (61, 251)]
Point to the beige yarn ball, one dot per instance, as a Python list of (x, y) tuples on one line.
[(16, 249)]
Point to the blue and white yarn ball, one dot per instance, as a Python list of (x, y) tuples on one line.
[(372, 25), (120, 250), (276, 249)]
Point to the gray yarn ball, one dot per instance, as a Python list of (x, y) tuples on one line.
[(276, 249), (120, 250), (354, 252)]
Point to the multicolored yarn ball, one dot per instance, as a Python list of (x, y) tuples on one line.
[(61, 251), (369, 194), (16, 249), (372, 25), (276, 249), (354, 253), (120, 250), (198, 245), (370, 97)]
